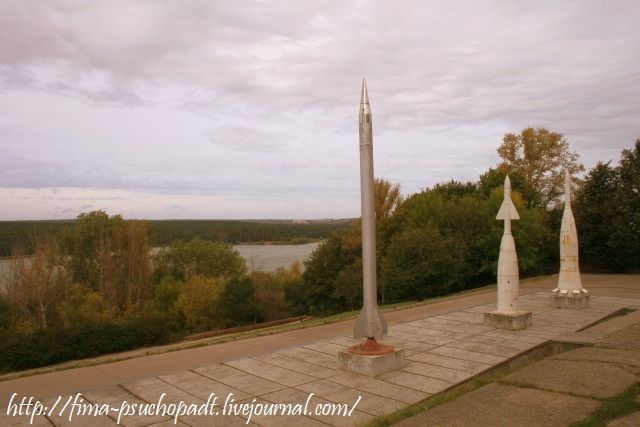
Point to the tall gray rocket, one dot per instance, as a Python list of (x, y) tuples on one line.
[(370, 323), (569, 278)]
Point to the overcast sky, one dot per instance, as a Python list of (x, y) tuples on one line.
[(248, 109)]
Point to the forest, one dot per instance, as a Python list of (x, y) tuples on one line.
[(18, 233), (97, 287)]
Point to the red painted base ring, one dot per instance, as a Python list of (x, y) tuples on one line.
[(370, 347)]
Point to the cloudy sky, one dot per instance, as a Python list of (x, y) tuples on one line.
[(248, 109)]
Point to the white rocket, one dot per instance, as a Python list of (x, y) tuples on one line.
[(508, 274), (370, 323), (569, 279)]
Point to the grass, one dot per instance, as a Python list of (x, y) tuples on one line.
[(615, 407)]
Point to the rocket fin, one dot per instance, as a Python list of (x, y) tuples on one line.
[(507, 207), (379, 325)]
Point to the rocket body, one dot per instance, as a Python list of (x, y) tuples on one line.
[(370, 323), (569, 277), (508, 273)]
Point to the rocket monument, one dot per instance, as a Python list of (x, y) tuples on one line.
[(508, 272), (370, 323), (369, 357), (507, 315), (569, 293)]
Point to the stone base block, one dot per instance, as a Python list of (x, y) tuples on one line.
[(371, 365), (570, 300), (509, 321)]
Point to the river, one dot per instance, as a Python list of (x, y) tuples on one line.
[(257, 257), (272, 257)]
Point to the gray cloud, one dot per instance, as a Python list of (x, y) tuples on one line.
[(246, 139), (258, 98)]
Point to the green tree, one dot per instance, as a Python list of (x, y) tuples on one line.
[(596, 210), (607, 210), (183, 260), (422, 263), (629, 197), (112, 256), (540, 157), (270, 294), (8, 317), (321, 271), (238, 302), (36, 285), (494, 178), (387, 197), (84, 307), (92, 246), (166, 295), (199, 303)]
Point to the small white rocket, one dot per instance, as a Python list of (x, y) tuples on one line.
[(569, 279), (508, 274)]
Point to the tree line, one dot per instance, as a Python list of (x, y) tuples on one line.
[(446, 238), (99, 288), (163, 232)]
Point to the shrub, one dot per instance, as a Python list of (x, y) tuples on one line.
[(50, 346)]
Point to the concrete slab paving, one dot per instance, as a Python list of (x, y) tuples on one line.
[(410, 347), (426, 339), (449, 362), (379, 387), (270, 372), (501, 342), (296, 365), (491, 349), (235, 378), (515, 336), (443, 350), (495, 405), (279, 416), (201, 386), (152, 390), (452, 376), (23, 420), (593, 379), (595, 354), (369, 403), (294, 396), (326, 348), (311, 356), (627, 339), (630, 420), (114, 396), (457, 353), (420, 330), (417, 382)]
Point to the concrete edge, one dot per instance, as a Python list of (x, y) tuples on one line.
[(616, 321)]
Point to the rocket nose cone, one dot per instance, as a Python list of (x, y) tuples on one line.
[(507, 183), (364, 95)]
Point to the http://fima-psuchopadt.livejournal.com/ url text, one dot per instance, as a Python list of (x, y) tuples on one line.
[(76, 408)]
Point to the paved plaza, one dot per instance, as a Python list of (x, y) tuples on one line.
[(441, 351)]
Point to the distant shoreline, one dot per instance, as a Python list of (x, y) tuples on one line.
[(262, 243)]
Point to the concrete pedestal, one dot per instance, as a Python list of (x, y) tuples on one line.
[(570, 300), (509, 321), (371, 365)]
